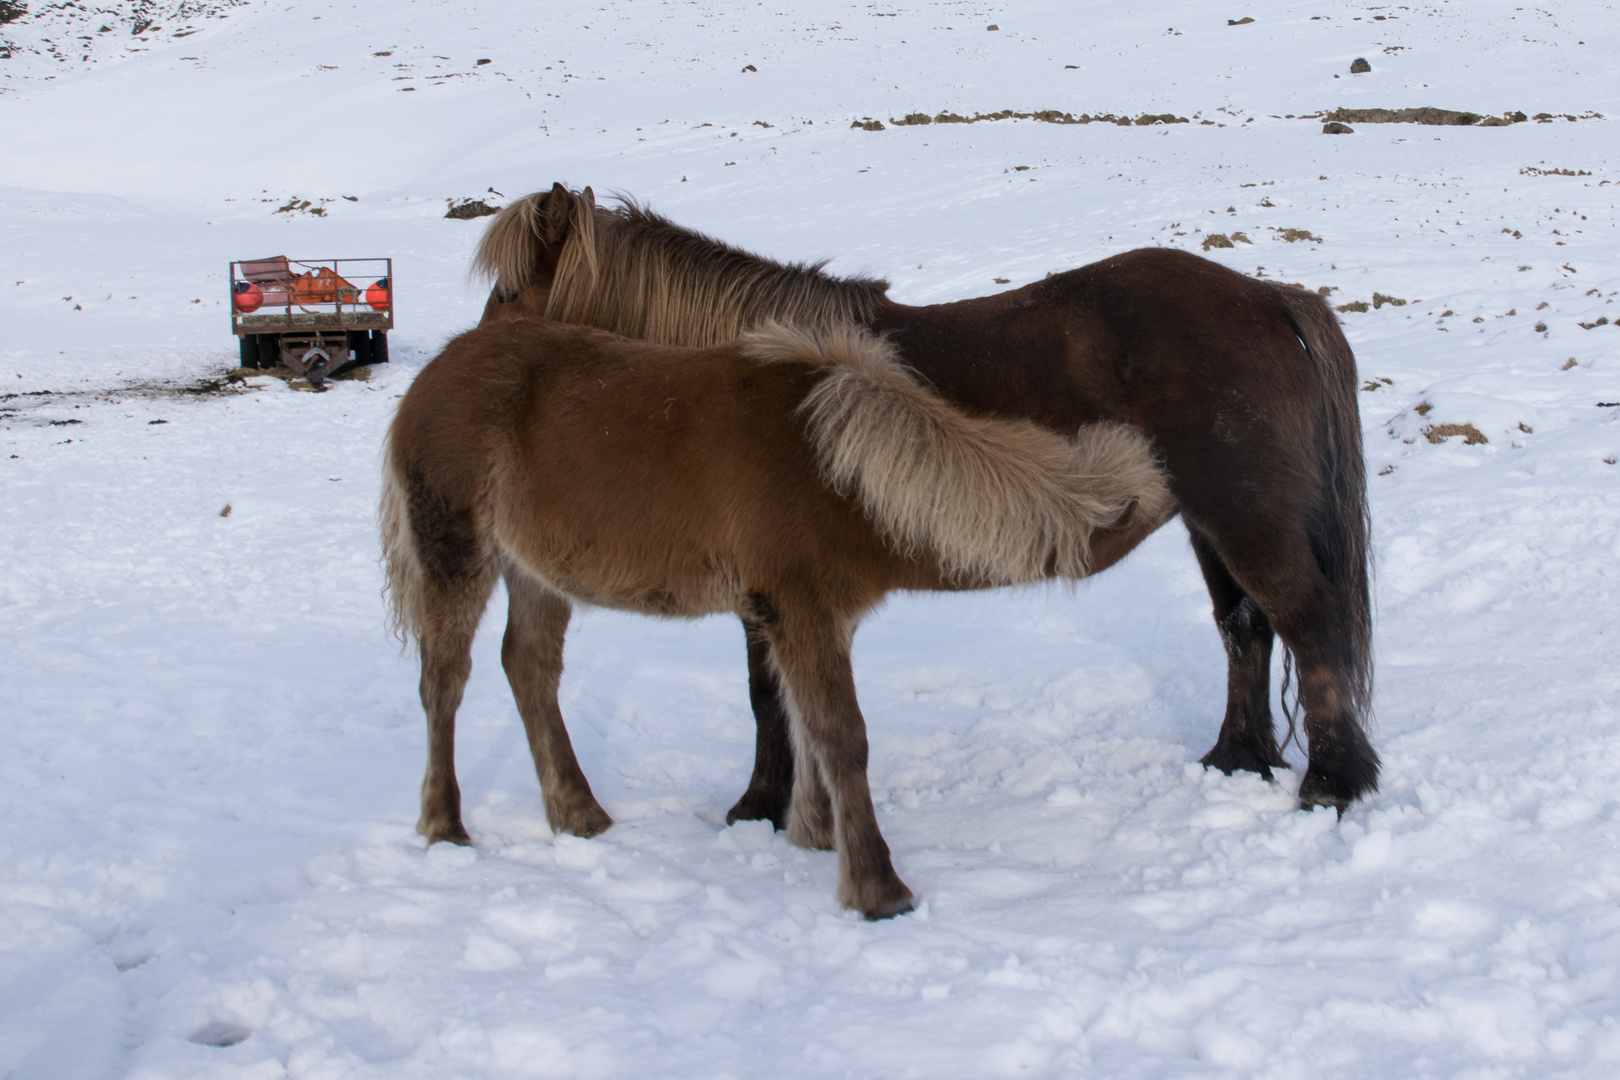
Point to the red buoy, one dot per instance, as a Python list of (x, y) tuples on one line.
[(248, 296), (377, 295)]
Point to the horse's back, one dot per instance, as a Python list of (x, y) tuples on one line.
[(654, 478), (1205, 360)]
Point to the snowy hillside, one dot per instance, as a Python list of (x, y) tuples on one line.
[(210, 750)]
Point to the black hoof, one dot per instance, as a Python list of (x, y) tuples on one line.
[(1320, 789), (1230, 758), (890, 911), (759, 806), (1337, 779)]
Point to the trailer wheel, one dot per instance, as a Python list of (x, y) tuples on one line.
[(269, 351), (359, 349), (379, 346), (248, 346)]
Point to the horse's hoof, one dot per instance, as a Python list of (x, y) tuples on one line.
[(1230, 758), (453, 833), (1337, 780), (879, 901), (758, 806), (1319, 789), (584, 821), (889, 911)]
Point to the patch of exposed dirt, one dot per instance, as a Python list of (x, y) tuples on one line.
[(1045, 116), (231, 384), (467, 209), (1439, 433), (1426, 115), (296, 205), (198, 388), (15, 406), (1293, 236)]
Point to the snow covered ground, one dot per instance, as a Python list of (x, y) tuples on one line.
[(210, 750)]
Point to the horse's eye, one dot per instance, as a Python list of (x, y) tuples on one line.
[(509, 298)]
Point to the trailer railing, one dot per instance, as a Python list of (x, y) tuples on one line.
[(281, 294)]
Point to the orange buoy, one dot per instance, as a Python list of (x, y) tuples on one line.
[(248, 296), (377, 295)]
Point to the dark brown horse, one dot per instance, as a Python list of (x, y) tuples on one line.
[(794, 479), (1247, 389)]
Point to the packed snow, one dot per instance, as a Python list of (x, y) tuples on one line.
[(211, 748)]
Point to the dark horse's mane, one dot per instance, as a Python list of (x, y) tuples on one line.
[(636, 273)]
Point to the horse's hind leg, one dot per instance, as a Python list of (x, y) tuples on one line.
[(450, 612), (1343, 766), (772, 781), (1278, 568), (532, 654), (811, 653), (1248, 738)]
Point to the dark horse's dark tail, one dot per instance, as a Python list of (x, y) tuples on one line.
[(1340, 528)]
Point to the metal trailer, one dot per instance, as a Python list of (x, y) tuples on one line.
[(319, 317)]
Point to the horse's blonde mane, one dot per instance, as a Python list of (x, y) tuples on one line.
[(628, 270), (509, 251), (998, 501)]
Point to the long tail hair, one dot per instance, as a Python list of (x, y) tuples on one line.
[(997, 501), (1340, 530), (402, 568)]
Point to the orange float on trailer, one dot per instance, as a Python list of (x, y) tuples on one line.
[(247, 296)]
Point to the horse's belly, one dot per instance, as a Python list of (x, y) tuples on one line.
[(648, 587)]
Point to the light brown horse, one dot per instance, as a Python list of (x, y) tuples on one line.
[(1246, 388), (793, 479)]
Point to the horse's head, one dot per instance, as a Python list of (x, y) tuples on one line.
[(529, 243), (527, 303)]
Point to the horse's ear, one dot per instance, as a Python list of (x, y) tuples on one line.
[(555, 215)]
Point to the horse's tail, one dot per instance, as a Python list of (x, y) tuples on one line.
[(402, 567), (997, 501), (508, 254), (1340, 529)]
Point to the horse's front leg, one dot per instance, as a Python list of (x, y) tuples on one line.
[(532, 654), (772, 782), (1248, 738), (810, 649)]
